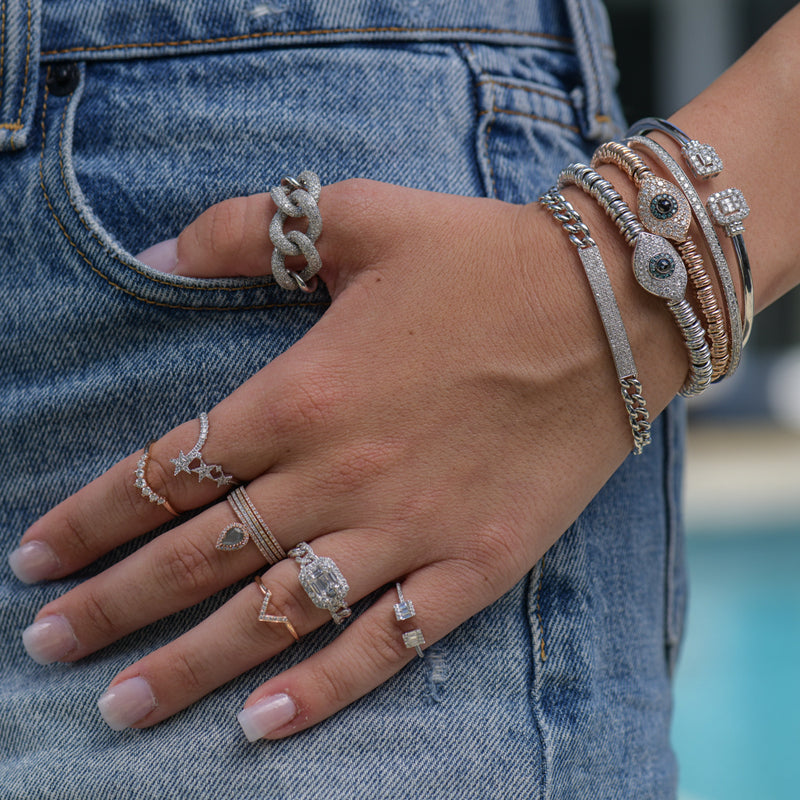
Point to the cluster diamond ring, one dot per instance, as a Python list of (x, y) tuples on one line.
[(322, 581)]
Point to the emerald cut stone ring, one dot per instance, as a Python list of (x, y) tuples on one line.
[(322, 581)]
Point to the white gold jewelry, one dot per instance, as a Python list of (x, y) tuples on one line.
[(322, 581), (404, 610), (657, 266), (664, 211), (704, 162), (183, 462), (589, 253), (250, 526), (296, 197)]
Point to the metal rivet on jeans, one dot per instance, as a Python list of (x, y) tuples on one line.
[(63, 79)]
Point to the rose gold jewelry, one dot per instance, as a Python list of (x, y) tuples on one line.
[(264, 617), (144, 487), (664, 211), (250, 526)]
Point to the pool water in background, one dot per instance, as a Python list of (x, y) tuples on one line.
[(736, 727)]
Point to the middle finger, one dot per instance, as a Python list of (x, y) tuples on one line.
[(174, 571)]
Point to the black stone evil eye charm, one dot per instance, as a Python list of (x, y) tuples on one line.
[(664, 206), (663, 209), (662, 266), (658, 267)]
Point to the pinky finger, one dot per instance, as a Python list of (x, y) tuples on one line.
[(369, 652)]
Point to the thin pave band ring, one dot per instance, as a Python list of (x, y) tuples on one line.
[(250, 526), (144, 487)]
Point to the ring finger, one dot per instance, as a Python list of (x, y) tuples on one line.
[(235, 638), (174, 571)]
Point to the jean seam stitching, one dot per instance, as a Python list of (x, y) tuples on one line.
[(105, 277), (102, 244), (2, 44), (536, 666), (483, 80), (311, 32), (535, 117), (529, 89), (18, 124)]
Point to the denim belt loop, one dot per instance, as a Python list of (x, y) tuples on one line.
[(592, 33), (20, 22)]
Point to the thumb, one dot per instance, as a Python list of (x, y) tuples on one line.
[(231, 238)]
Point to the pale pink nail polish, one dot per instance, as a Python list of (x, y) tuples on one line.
[(33, 562), (162, 256), (266, 715), (126, 703), (49, 639)]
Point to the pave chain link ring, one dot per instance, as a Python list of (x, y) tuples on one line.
[(322, 581), (296, 197)]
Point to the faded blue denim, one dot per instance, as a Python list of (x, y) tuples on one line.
[(120, 121)]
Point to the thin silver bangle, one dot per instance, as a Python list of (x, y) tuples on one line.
[(705, 163), (649, 248), (630, 386)]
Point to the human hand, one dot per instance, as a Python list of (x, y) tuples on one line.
[(450, 415)]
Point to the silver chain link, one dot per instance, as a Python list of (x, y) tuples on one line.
[(296, 198)]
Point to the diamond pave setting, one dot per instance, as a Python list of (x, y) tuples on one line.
[(322, 581), (703, 159), (729, 210)]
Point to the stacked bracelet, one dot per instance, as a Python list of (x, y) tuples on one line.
[(665, 259), (657, 266), (664, 211), (728, 207), (589, 252)]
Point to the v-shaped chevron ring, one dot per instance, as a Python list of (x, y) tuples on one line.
[(263, 616)]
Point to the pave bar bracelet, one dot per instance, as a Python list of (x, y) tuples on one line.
[(617, 336)]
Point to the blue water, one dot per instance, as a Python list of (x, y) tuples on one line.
[(737, 710)]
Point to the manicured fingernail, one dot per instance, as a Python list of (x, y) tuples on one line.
[(126, 703), (266, 715), (162, 256), (49, 639), (33, 562)]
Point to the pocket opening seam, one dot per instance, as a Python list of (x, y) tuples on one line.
[(105, 277)]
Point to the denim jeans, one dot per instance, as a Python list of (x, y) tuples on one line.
[(120, 121)]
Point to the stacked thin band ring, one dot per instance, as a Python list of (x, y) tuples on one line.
[(250, 526)]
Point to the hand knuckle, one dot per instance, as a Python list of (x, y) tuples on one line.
[(99, 617), (331, 685), (186, 566), (188, 674), (223, 234)]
